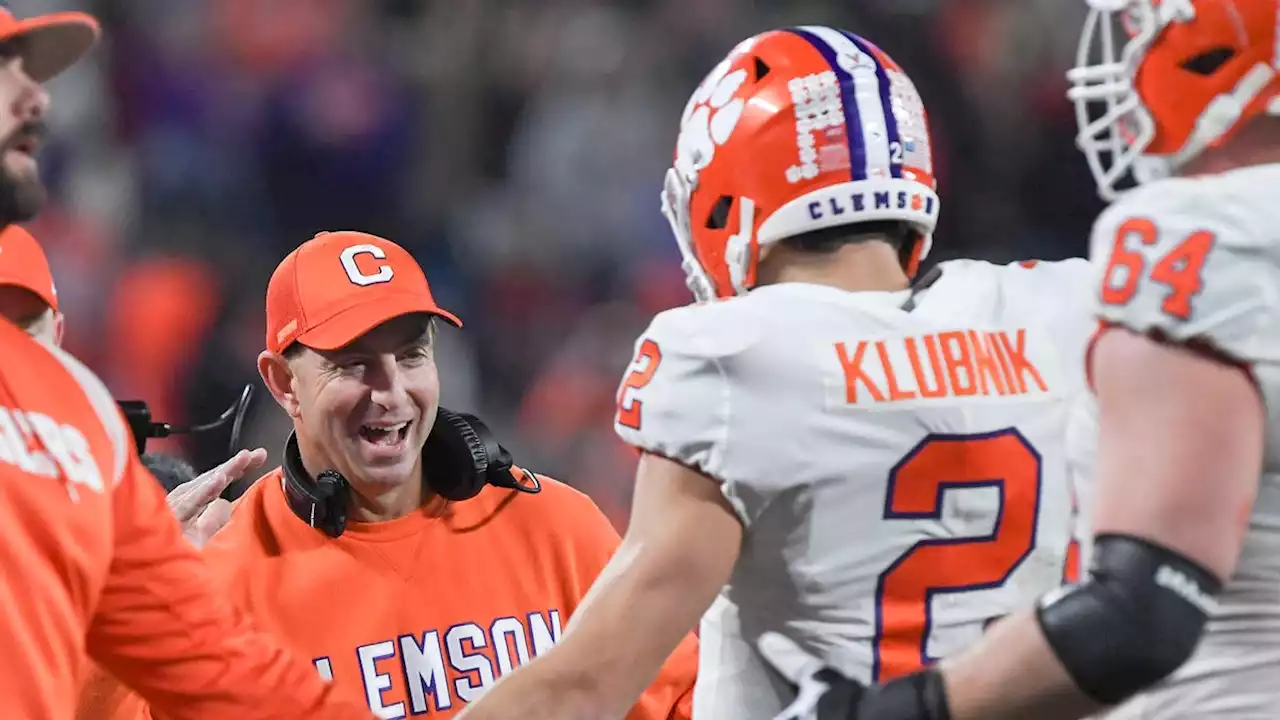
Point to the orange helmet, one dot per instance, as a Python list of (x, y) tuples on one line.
[(1157, 82), (796, 130)]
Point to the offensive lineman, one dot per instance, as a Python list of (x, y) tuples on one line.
[(93, 563), (1180, 613), (875, 469)]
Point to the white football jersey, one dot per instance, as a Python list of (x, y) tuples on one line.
[(900, 473), (1209, 249)]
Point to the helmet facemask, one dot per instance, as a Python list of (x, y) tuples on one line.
[(1115, 127), (1187, 76)]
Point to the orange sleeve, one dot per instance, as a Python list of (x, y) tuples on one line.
[(163, 627), (670, 697), (103, 697)]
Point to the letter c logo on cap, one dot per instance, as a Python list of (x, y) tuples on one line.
[(384, 274)]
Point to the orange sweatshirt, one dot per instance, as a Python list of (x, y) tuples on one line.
[(421, 614)]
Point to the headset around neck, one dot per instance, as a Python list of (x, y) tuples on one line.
[(459, 459)]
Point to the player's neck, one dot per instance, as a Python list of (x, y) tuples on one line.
[(859, 267), (1257, 143)]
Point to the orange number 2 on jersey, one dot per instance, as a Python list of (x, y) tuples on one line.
[(629, 408), (917, 485), (1179, 270)]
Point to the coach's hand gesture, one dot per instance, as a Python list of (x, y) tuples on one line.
[(197, 504)]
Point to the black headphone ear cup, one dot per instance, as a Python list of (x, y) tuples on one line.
[(321, 502), (498, 461), (331, 492), (454, 458)]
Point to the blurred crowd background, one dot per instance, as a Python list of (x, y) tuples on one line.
[(517, 147)]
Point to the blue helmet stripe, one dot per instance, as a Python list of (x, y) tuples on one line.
[(852, 121)]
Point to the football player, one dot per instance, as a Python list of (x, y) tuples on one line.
[(875, 468), (1179, 615)]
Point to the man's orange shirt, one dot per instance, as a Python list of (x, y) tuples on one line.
[(95, 565), (422, 613)]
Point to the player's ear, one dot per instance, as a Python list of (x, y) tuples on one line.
[(58, 328), (278, 376)]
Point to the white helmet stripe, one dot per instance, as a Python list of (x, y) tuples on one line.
[(862, 72)]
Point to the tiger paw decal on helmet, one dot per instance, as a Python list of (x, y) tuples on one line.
[(710, 118), (795, 131)]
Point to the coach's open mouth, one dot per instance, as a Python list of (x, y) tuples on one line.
[(386, 436)]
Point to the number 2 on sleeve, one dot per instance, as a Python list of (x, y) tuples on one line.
[(628, 407), (917, 486), (1180, 269)]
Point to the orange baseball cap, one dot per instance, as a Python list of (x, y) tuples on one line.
[(338, 286), (23, 264), (52, 42)]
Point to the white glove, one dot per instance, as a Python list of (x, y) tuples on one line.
[(822, 693)]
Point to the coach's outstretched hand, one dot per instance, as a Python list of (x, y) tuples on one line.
[(196, 503)]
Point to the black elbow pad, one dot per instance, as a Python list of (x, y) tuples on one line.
[(1136, 619)]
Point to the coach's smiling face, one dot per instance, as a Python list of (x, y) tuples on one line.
[(365, 410)]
